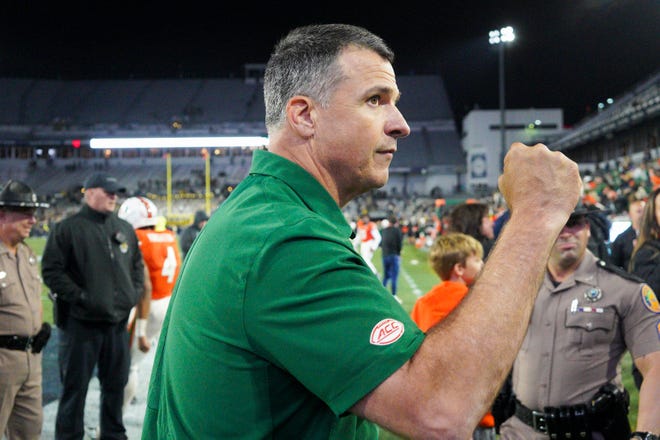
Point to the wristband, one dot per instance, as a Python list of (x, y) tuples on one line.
[(140, 327)]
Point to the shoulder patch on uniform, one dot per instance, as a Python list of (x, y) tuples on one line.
[(650, 299), (619, 271), (386, 332)]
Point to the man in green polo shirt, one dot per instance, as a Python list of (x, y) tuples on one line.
[(278, 328)]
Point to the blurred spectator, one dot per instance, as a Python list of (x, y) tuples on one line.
[(622, 246), (190, 233), (645, 260), (654, 175), (600, 225), (500, 221), (368, 239), (473, 218), (610, 200), (391, 244)]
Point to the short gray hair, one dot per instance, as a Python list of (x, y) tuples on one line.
[(304, 63)]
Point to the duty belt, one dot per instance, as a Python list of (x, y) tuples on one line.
[(535, 419), (606, 413), (14, 342)]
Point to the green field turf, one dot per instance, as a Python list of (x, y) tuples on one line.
[(416, 278)]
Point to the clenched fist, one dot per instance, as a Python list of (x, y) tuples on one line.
[(540, 183)]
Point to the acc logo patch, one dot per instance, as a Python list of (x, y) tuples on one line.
[(649, 299), (386, 332)]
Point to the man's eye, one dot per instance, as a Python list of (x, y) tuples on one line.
[(374, 99)]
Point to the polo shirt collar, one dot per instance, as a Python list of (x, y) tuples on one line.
[(312, 193)]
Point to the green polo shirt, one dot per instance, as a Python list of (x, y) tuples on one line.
[(277, 326)]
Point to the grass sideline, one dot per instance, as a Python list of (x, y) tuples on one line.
[(415, 269)]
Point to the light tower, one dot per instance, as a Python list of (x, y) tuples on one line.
[(499, 38)]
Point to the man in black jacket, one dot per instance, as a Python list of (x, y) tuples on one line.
[(623, 244), (190, 233), (93, 265), (391, 244)]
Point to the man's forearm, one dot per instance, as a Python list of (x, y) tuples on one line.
[(451, 381)]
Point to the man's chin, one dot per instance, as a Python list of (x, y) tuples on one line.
[(382, 178), (568, 258), (375, 180)]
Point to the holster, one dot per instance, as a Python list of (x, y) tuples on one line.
[(40, 340), (504, 405), (609, 412)]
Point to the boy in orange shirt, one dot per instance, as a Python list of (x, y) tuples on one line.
[(457, 259)]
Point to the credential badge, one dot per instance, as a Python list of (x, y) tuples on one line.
[(593, 294)]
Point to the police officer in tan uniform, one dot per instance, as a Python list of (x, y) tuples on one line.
[(566, 377), (22, 335)]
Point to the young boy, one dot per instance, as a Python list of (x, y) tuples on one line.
[(457, 258)]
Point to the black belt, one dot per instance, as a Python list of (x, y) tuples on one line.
[(535, 419), (14, 342)]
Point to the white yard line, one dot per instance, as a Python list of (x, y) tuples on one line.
[(411, 282)]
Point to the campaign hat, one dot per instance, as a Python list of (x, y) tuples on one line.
[(16, 194)]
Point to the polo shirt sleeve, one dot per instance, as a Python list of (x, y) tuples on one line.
[(315, 309)]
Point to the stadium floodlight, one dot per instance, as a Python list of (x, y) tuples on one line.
[(504, 35), (179, 142), (499, 37)]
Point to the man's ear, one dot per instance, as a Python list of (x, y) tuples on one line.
[(458, 269), (299, 115)]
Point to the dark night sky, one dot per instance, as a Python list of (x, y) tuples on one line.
[(568, 54)]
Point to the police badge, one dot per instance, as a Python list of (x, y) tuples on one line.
[(593, 294)]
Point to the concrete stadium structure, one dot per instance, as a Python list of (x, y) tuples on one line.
[(43, 121), (49, 123), (630, 125)]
